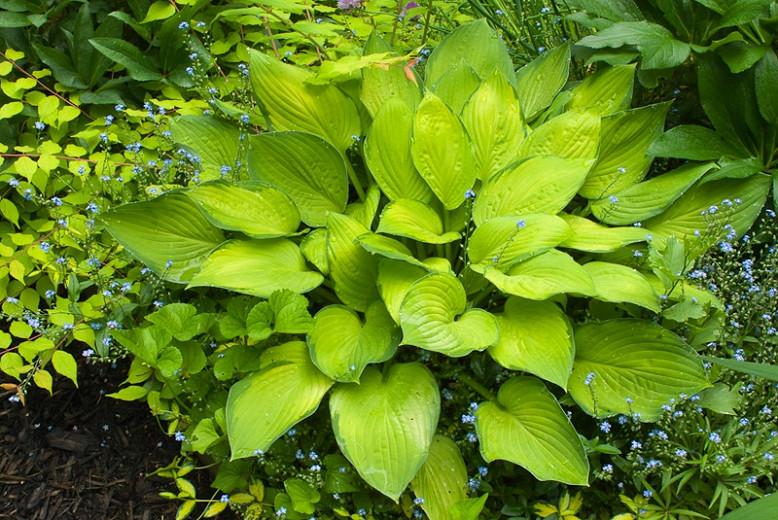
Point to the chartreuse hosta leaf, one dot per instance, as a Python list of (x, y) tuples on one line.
[(474, 44), (647, 199), (396, 277), (535, 337), (365, 211), (413, 219), (543, 276), (606, 92), (441, 152), (214, 141), (342, 345), (621, 284), (387, 153), (380, 85), (314, 249), (433, 317), (442, 480), (293, 104), (258, 268), (502, 241), (256, 210), (385, 425), (623, 158), (169, 234), (352, 269), (539, 81), (388, 248), (303, 166), (632, 366), (737, 201), (526, 426), (493, 122), (537, 185), (456, 86), (591, 237), (572, 135), (263, 406)]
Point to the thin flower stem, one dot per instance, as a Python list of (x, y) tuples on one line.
[(476, 386)]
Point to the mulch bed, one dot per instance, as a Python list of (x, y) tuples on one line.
[(80, 455)]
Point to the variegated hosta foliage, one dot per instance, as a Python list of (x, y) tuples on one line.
[(463, 207)]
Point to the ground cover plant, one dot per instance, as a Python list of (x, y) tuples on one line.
[(408, 282)]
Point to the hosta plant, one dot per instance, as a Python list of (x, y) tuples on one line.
[(447, 211)]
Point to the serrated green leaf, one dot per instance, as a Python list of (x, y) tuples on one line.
[(721, 399), (493, 121), (647, 199), (385, 425), (413, 219), (168, 228), (433, 317), (606, 92), (623, 158), (537, 185), (303, 166), (526, 426), (290, 389), (442, 480), (539, 81), (543, 276), (387, 153), (352, 269), (637, 367), (341, 345), (291, 103), (258, 268), (256, 210), (503, 241), (290, 312), (214, 141), (535, 337), (441, 152), (621, 284)]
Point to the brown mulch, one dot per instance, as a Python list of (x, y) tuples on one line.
[(80, 455)]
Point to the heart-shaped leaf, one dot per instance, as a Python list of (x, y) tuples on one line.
[(591, 237), (433, 317), (256, 210), (305, 167), (169, 234), (388, 156), (413, 219), (351, 267), (493, 122), (214, 141), (442, 480), (632, 367), (258, 268), (623, 158), (525, 425), (263, 406), (441, 152), (539, 278), (385, 425), (394, 280), (503, 241), (537, 185), (619, 283), (535, 337), (342, 346), (292, 103)]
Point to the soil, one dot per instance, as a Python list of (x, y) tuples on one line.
[(80, 455)]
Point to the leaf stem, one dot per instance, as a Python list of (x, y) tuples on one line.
[(352, 175), (477, 387)]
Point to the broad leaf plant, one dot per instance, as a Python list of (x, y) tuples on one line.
[(461, 208)]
